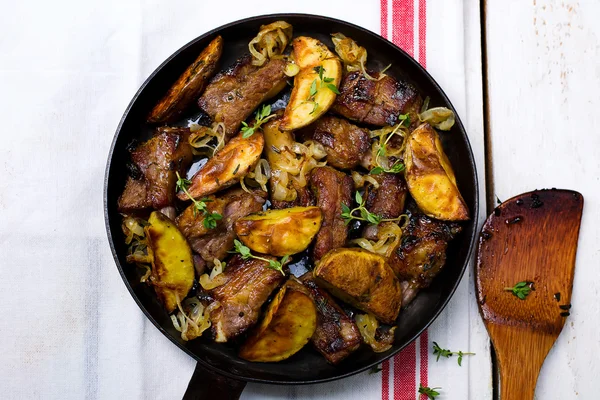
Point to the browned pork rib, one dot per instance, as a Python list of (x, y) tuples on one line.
[(232, 205), (344, 142), (376, 102), (233, 94), (387, 201), (422, 251), (248, 285), (154, 164), (331, 188), (336, 336)]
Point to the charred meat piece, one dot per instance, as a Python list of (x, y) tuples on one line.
[(387, 201), (331, 188), (336, 336), (154, 164), (422, 251), (249, 283), (376, 102), (232, 205), (189, 85), (233, 94), (345, 143)]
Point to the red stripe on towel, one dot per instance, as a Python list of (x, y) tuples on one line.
[(405, 373), (384, 18), (404, 379), (403, 15)]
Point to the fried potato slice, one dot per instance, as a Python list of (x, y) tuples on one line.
[(362, 279), (280, 232), (313, 93), (189, 85), (226, 168), (172, 266), (288, 324), (430, 178)]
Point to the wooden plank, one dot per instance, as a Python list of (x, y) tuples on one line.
[(543, 80)]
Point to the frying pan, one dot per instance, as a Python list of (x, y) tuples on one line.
[(219, 361)]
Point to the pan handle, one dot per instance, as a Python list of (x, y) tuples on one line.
[(208, 385)]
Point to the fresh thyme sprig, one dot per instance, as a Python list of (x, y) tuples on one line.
[(431, 393), (317, 84), (210, 218), (365, 215), (382, 151), (521, 289), (262, 116), (439, 352), (246, 254)]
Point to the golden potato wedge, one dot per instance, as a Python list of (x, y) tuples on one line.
[(189, 85), (280, 232), (172, 266), (430, 178), (288, 324), (312, 95), (226, 168), (362, 279)]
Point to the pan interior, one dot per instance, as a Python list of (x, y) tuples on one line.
[(307, 366)]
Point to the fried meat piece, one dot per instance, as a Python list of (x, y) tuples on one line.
[(331, 188), (376, 102), (249, 283), (233, 94), (154, 166)]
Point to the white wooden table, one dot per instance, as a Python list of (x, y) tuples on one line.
[(531, 108)]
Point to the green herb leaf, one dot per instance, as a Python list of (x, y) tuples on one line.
[(376, 171), (247, 132), (182, 183), (245, 253), (241, 249), (345, 209), (327, 80), (262, 115), (439, 352), (431, 393), (332, 87), (358, 197), (521, 289), (315, 106), (313, 88), (264, 112), (397, 167), (319, 70)]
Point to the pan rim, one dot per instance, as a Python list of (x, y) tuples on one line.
[(471, 160)]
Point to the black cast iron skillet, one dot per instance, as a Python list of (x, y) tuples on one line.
[(219, 368)]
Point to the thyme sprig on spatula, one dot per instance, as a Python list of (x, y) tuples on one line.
[(521, 289)]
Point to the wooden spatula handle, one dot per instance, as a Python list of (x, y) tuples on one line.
[(520, 364)]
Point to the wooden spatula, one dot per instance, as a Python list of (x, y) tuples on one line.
[(530, 238)]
